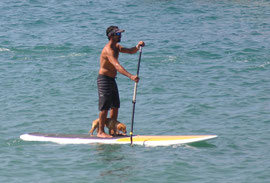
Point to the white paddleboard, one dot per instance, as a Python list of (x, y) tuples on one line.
[(137, 139)]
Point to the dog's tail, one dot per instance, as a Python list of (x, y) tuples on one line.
[(92, 130)]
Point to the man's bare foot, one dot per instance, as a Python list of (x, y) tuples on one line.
[(104, 135)]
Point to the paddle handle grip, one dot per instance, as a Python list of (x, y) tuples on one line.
[(134, 93), (138, 71), (139, 62)]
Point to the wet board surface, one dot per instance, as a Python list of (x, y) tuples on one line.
[(137, 139)]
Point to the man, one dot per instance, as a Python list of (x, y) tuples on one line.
[(109, 66)]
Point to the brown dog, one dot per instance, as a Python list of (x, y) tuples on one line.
[(114, 127)]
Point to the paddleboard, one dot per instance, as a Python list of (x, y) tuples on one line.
[(137, 139)]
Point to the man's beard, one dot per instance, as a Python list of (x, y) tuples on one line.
[(119, 40)]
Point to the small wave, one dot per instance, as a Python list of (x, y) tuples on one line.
[(73, 55), (4, 49), (12, 142), (204, 54), (172, 58), (264, 65)]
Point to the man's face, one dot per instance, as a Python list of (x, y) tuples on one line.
[(117, 37)]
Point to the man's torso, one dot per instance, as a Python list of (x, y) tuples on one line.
[(106, 67)]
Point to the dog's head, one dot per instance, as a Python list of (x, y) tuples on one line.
[(122, 127)]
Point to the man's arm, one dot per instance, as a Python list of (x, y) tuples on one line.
[(120, 68), (130, 50)]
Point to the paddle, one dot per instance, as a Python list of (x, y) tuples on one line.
[(134, 97)]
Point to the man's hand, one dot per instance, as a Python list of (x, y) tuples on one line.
[(135, 78), (140, 44)]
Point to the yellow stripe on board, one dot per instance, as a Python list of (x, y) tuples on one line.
[(160, 138)]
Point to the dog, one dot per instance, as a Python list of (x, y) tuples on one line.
[(114, 127)]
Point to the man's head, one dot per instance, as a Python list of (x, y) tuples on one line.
[(114, 33)]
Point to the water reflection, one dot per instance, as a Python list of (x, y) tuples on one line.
[(110, 153), (115, 159)]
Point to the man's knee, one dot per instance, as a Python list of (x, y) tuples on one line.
[(103, 114)]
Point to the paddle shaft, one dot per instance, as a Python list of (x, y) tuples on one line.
[(134, 96)]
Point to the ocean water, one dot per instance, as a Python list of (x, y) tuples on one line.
[(205, 70)]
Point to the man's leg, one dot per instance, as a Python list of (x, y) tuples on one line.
[(114, 113), (102, 119)]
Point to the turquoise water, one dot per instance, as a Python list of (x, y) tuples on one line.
[(205, 70)]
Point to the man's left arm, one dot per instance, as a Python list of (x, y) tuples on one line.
[(131, 50)]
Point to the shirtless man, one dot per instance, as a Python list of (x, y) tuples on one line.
[(107, 87)]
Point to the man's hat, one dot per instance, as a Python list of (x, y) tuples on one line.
[(112, 30)]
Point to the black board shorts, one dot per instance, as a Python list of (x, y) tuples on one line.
[(107, 93)]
